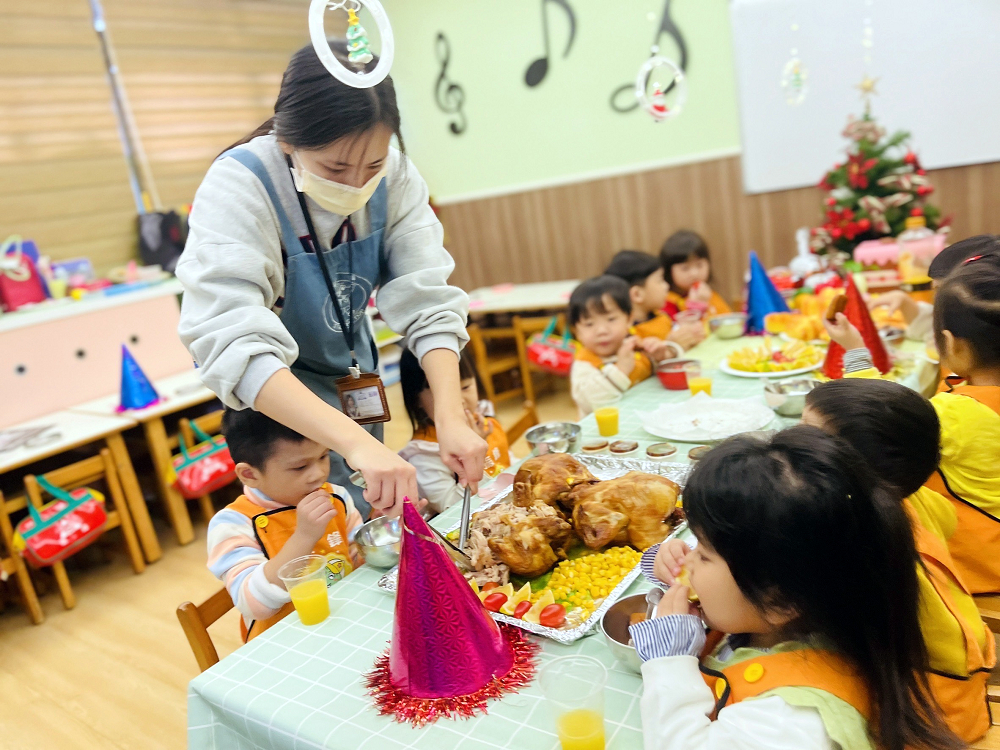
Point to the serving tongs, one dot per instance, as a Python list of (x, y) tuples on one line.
[(455, 553)]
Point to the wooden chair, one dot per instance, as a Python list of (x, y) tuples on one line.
[(989, 610), (196, 619), (524, 329), (210, 424), (528, 420), (490, 365), (78, 475), (13, 563)]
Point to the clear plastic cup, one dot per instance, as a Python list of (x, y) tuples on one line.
[(305, 580), (573, 687)]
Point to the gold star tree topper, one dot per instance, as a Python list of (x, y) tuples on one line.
[(867, 89)]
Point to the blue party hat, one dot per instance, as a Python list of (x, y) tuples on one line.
[(137, 391), (763, 297)]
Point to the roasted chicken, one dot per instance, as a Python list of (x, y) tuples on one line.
[(533, 545), (633, 509), (549, 479)]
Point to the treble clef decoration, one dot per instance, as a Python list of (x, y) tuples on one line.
[(668, 27), (449, 96), (540, 68)]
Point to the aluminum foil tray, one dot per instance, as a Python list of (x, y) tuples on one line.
[(602, 467)]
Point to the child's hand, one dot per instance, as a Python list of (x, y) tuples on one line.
[(654, 347), (312, 515), (896, 300), (669, 560), (478, 424), (626, 355), (687, 334), (844, 333), (700, 292), (675, 602)]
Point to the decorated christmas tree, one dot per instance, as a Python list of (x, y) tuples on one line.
[(871, 194)]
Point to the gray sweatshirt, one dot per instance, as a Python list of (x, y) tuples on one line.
[(233, 275)]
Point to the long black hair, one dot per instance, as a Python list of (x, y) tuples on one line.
[(413, 380), (805, 525), (314, 109), (680, 247), (968, 304), (892, 426)]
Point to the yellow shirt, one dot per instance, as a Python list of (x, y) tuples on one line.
[(970, 445)]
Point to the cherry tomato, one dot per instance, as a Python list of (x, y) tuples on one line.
[(490, 586), (553, 616), (493, 602), (521, 608)]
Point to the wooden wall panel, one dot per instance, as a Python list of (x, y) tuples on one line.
[(572, 231)]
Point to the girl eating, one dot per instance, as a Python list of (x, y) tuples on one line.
[(687, 269)]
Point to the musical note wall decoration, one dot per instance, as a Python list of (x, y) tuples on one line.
[(449, 96), (623, 98), (540, 68)]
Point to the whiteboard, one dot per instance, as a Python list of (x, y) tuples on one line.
[(938, 68)]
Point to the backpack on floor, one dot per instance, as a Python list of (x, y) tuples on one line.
[(61, 528)]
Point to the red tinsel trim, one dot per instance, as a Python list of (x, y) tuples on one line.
[(391, 701)]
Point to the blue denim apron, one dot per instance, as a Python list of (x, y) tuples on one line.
[(356, 269)]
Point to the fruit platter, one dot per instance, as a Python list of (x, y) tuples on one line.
[(789, 358), (554, 551)]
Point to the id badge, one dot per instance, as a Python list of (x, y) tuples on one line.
[(363, 398)]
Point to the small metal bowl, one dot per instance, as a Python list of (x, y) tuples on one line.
[(554, 437), (379, 541), (614, 625), (728, 325), (892, 336), (788, 397)]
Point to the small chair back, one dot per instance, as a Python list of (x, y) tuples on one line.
[(197, 618), (528, 420)]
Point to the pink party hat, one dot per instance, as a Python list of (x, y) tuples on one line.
[(447, 655)]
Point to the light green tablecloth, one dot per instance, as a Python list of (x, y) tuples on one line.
[(295, 687)]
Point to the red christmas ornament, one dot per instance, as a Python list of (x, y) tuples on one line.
[(923, 190), (836, 233), (864, 225), (857, 312), (831, 201), (910, 158), (918, 211), (921, 172)]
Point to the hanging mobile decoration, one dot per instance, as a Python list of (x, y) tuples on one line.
[(358, 49), (623, 98), (795, 76), (669, 78)]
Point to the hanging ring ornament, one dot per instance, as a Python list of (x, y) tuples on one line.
[(317, 33), (656, 104)]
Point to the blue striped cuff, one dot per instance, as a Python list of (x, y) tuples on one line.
[(672, 635), (646, 565), (856, 360)]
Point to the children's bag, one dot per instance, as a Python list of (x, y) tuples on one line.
[(20, 283), (204, 468), (551, 353), (61, 528)]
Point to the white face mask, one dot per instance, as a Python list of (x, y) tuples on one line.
[(335, 197)]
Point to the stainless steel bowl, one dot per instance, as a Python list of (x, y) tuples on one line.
[(614, 625), (892, 336), (728, 325), (554, 437), (788, 397), (379, 541)]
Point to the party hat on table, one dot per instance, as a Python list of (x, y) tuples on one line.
[(137, 392), (763, 297), (447, 655), (857, 312)]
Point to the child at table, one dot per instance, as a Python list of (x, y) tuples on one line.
[(437, 482), (287, 510), (648, 292), (967, 331), (807, 562), (609, 360), (688, 269), (898, 432)]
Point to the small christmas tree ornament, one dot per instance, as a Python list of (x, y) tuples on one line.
[(857, 312), (669, 80), (357, 41), (136, 390), (794, 81), (447, 657)]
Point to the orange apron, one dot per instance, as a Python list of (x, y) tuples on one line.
[(497, 447), (976, 541), (962, 698), (657, 327), (273, 528), (676, 303), (642, 370)]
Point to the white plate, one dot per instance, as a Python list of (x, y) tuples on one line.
[(724, 367), (704, 419)]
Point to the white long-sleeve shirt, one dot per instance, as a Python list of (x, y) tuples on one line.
[(233, 274)]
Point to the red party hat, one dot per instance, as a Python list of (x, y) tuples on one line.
[(447, 655), (857, 312)]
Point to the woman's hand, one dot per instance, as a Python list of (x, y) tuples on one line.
[(843, 332), (896, 300), (462, 451), (669, 560), (388, 478)]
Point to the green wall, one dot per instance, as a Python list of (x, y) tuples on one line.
[(563, 129)]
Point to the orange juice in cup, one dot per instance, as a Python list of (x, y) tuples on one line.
[(574, 690), (305, 580), (581, 729), (696, 382), (607, 420)]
